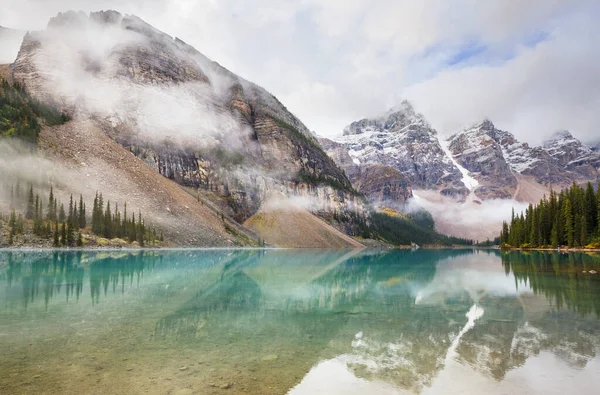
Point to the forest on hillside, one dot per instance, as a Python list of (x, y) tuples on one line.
[(570, 218), (21, 115)]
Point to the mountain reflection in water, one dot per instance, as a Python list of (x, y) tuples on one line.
[(278, 321)]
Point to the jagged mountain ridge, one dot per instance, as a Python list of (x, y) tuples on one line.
[(496, 160), (185, 116)]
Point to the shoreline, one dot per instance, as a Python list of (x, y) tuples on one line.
[(561, 250)]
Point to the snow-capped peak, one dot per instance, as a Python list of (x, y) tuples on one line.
[(560, 138), (396, 119)]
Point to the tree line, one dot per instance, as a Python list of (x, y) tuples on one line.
[(570, 218), (51, 220)]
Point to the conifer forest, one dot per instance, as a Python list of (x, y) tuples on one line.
[(569, 219)]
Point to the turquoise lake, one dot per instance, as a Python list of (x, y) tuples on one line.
[(299, 322)]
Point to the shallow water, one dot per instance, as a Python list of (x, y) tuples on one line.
[(299, 322)]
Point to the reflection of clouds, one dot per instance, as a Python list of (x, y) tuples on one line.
[(476, 274)]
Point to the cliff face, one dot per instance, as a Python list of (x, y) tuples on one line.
[(185, 116), (477, 151), (381, 185)]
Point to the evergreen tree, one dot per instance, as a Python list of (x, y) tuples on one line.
[(554, 234), (79, 239), (591, 210), (75, 216), (70, 218), (96, 217), (108, 230), (82, 221), (56, 240), (583, 233), (63, 231), (61, 214), (51, 206), (568, 220), (70, 234), (29, 212)]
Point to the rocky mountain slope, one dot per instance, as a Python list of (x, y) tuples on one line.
[(182, 115)]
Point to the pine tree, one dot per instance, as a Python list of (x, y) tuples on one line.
[(82, 223), (568, 220), (79, 239), (133, 230), (125, 233), (95, 217), (554, 234), (61, 214), (63, 231), (108, 230), (598, 210), (70, 234), (583, 233), (75, 216), (503, 234), (56, 240), (29, 212), (70, 217), (591, 211), (51, 209)]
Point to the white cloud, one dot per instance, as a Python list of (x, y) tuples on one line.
[(333, 62)]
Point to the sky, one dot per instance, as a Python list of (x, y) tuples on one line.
[(529, 66)]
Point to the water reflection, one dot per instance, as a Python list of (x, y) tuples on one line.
[(272, 321)]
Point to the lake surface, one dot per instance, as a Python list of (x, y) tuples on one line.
[(299, 322)]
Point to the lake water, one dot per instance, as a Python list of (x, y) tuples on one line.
[(299, 322)]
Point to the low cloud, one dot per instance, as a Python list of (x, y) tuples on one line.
[(466, 219)]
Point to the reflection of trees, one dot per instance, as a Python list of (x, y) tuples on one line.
[(48, 273), (564, 279), (45, 273), (118, 270)]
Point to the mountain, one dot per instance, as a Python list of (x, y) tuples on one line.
[(498, 160), (453, 178), (573, 155), (149, 112), (403, 140)]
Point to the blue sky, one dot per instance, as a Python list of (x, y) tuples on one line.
[(530, 66)]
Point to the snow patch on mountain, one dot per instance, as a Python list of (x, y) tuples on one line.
[(470, 182)]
